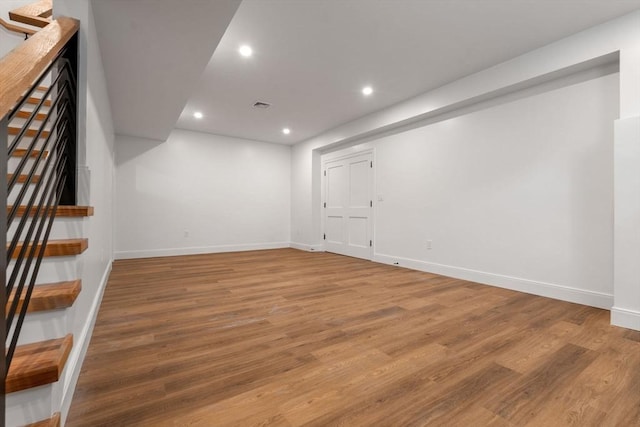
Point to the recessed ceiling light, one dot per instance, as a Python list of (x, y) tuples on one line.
[(367, 90), (198, 115), (245, 50), (286, 131)]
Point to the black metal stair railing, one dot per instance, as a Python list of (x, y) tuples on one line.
[(40, 173)]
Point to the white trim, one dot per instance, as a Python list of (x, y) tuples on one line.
[(80, 346), (625, 318), (343, 153), (308, 248), (550, 290), (152, 253)]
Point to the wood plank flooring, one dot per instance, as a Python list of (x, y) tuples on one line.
[(290, 338)]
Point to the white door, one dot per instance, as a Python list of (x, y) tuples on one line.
[(348, 206)]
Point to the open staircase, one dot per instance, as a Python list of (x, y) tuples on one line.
[(38, 303)]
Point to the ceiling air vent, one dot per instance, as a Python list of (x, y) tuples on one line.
[(260, 104)]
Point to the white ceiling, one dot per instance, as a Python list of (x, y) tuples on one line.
[(311, 57), (152, 52)]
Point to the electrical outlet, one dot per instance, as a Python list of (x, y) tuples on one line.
[(429, 242), (186, 233)]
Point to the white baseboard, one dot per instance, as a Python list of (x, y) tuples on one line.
[(625, 318), (80, 346), (153, 253), (305, 247), (550, 290)]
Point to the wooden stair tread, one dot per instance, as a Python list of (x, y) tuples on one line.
[(35, 101), (37, 14), (23, 114), (58, 247), (38, 364), (23, 178), (12, 130), (51, 296), (62, 212), (21, 152), (54, 421)]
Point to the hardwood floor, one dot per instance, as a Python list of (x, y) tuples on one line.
[(290, 338)]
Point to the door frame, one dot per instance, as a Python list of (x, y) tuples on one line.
[(343, 155)]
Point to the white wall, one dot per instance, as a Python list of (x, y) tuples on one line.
[(96, 175), (199, 193), (619, 37), (519, 194)]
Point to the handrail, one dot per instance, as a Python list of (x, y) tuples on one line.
[(20, 67), (41, 9), (16, 28), (37, 14)]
